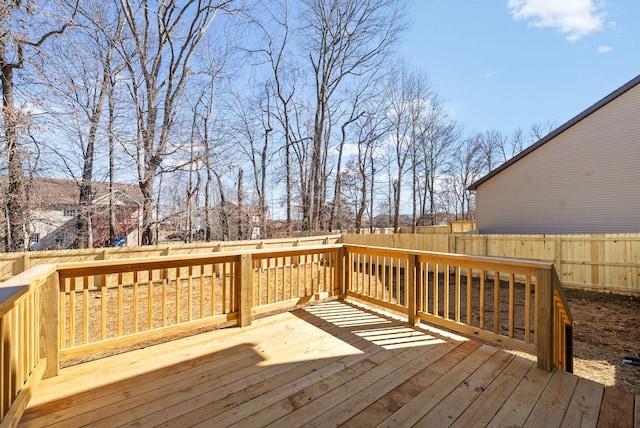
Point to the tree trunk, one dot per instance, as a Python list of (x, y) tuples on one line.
[(15, 191)]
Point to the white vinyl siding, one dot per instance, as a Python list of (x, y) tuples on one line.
[(585, 180)]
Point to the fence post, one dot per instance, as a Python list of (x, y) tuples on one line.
[(544, 327), (49, 323), (245, 290), (558, 259), (411, 289)]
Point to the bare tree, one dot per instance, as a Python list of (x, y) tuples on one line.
[(407, 95), (466, 167), (353, 116), (164, 40), (539, 130), (273, 23), (85, 72), (343, 38), (490, 144), (372, 127), (22, 33), (439, 140)]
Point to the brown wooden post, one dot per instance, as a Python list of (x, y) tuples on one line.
[(245, 290), (348, 265), (411, 289), (49, 323), (544, 327)]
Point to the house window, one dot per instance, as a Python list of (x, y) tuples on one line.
[(35, 237), (69, 211), (58, 238)]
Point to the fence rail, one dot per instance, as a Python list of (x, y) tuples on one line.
[(59, 312)]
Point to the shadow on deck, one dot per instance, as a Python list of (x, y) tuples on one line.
[(330, 364)]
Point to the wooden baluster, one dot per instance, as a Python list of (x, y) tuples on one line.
[(85, 309), (496, 302)]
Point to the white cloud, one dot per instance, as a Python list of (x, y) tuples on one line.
[(575, 18), (604, 49)]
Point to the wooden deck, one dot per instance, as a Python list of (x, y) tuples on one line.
[(331, 364)]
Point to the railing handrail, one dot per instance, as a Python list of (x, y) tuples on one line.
[(185, 260), (453, 256)]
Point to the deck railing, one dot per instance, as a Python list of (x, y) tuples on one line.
[(28, 317), (110, 304), (504, 301), (53, 313)]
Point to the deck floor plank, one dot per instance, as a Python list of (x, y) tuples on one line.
[(584, 408), (517, 408), (411, 412), (276, 353), (449, 409), (552, 406), (302, 406), (330, 364), (482, 410), (395, 399), (617, 409), (355, 402)]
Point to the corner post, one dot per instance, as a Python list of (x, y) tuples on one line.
[(544, 327), (411, 289), (50, 323), (245, 290)]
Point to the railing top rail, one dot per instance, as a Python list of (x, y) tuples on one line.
[(293, 251), (557, 285), (100, 267), (459, 259), (18, 286)]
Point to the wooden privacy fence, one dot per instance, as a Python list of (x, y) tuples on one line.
[(52, 313), (609, 263)]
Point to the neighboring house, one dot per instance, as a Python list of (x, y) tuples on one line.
[(584, 177), (54, 212)]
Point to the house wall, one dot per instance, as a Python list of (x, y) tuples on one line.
[(56, 230), (585, 180)]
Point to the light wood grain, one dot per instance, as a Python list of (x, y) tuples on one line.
[(332, 363)]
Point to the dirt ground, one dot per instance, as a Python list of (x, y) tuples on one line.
[(606, 329)]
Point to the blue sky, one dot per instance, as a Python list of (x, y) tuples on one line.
[(508, 64)]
